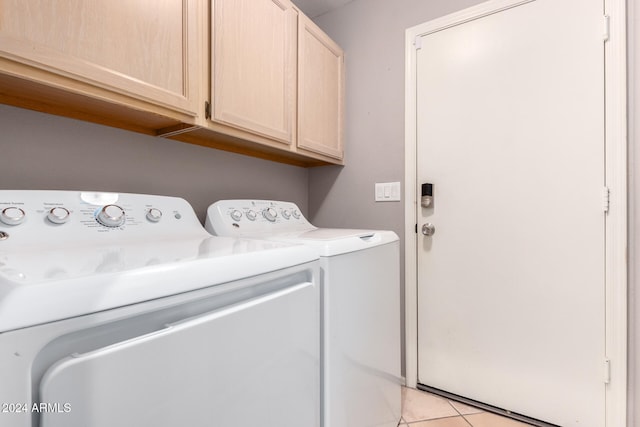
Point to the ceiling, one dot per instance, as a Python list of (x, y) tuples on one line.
[(313, 8)]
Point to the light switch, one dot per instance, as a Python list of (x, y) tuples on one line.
[(387, 192)]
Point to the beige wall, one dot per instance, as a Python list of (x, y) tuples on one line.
[(40, 151)]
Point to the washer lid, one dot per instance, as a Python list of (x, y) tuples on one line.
[(335, 241), (282, 221), (52, 284)]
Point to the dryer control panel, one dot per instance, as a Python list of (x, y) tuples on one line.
[(254, 217), (44, 218), (55, 235)]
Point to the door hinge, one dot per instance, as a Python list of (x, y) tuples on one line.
[(607, 371), (416, 228), (605, 199), (207, 110), (417, 42), (605, 34)]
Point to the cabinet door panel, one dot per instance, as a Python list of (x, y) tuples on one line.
[(321, 91), (140, 48), (253, 63)]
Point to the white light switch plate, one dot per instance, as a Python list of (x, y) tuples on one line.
[(387, 192)]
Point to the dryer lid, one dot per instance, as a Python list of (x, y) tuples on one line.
[(42, 287)]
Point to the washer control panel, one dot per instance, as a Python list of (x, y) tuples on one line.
[(64, 217), (254, 217)]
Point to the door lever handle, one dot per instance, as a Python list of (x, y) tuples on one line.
[(428, 229)]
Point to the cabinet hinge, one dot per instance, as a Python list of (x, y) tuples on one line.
[(607, 371), (207, 110), (605, 35), (416, 228), (605, 199), (417, 42)]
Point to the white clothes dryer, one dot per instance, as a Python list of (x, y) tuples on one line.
[(121, 310), (360, 304)]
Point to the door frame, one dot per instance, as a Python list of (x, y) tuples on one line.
[(615, 176)]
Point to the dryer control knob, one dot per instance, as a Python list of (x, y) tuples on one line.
[(270, 214), (59, 215), (236, 215), (111, 216), (154, 215), (296, 214), (251, 215), (12, 215), (286, 214)]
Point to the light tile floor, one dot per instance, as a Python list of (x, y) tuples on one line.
[(422, 409)]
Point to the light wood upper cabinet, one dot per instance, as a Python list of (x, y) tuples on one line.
[(273, 80), (141, 49), (253, 63), (276, 79), (320, 91)]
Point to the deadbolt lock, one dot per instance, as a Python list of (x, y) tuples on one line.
[(426, 199)]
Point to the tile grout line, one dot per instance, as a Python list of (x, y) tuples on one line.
[(461, 414), (466, 420), (454, 408), (435, 419)]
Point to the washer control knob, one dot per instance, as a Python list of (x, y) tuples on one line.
[(286, 214), (59, 215), (251, 215), (270, 214), (12, 215), (154, 215), (111, 216), (236, 215), (296, 214)]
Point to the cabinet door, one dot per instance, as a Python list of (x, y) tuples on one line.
[(320, 91), (253, 65), (138, 48)]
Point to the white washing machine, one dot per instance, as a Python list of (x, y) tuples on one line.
[(121, 310), (360, 305)]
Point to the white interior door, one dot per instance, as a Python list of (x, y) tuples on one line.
[(510, 132)]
